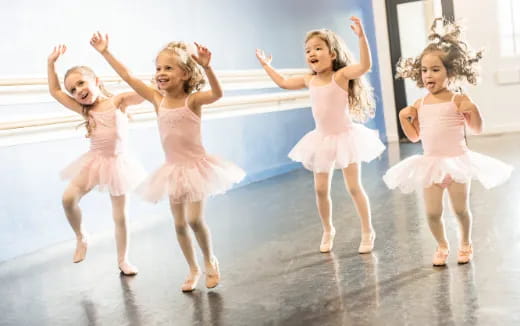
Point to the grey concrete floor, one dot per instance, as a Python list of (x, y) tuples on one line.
[(267, 236)]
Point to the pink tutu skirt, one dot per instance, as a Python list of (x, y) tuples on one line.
[(421, 171), (209, 175), (321, 153), (117, 174)]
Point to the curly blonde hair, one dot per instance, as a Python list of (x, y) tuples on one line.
[(188, 64), (457, 57), (89, 123), (360, 93)]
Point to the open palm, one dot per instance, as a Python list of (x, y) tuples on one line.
[(203, 56), (264, 60), (99, 42)]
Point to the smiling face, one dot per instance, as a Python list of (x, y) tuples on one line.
[(318, 56), (84, 88), (433, 72), (168, 73)]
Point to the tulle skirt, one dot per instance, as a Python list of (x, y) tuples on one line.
[(207, 176), (320, 153), (421, 171), (118, 174)]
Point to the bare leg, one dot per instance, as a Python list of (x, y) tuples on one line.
[(121, 233), (322, 183), (203, 235), (184, 239), (352, 178), (459, 198), (434, 207), (75, 191)]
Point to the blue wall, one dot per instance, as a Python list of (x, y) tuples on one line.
[(31, 216)]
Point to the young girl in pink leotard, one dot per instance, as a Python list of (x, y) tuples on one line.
[(189, 174), (438, 120), (338, 94), (107, 164)]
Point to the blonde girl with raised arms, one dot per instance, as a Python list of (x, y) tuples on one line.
[(189, 174)]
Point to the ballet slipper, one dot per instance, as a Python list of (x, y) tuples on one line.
[(191, 281), (213, 274), (367, 243), (128, 269), (327, 240), (465, 254), (440, 257), (81, 250)]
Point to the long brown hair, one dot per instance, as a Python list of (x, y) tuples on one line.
[(85, 109), (188, 64), (360, 93), (460, 61)]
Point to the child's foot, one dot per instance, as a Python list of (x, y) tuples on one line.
[(212, 274), (128, 269), (327, 240), (465, 254), (441, 256), (191, 281), (81, 250), (367, 242)]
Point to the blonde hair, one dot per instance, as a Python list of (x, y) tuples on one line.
[(360, 93), (188, 64), (89, 123), (457, 57)]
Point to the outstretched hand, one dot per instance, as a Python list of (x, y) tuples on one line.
[(264, 60), (357, 27), (56, 53), (203, 56), (99, 42)]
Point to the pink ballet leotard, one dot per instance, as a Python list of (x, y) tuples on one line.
[(107, 165), (189, 173), (446, 155), (337, 141)]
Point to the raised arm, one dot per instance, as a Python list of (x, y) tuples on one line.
[(471, 113), (410, 123), (203, 58), (54, 83), (100, 43), (127, 99), (281, 81), (365, 59)]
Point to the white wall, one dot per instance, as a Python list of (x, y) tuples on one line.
[(498, 103)]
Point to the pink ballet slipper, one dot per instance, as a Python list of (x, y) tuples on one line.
[(213, 275), (465, 254), (81, 250), (191, 281), (128, 269), (327, 240), (441, 256), (367, 243)]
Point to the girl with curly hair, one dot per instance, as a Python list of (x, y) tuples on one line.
[(189, 174), (339, 94), (439, 121)]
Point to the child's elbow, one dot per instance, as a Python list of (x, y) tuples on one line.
[(217, 94), (476, 130), (368, 66)]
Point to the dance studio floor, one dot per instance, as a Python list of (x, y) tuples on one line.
[(266, 236)]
